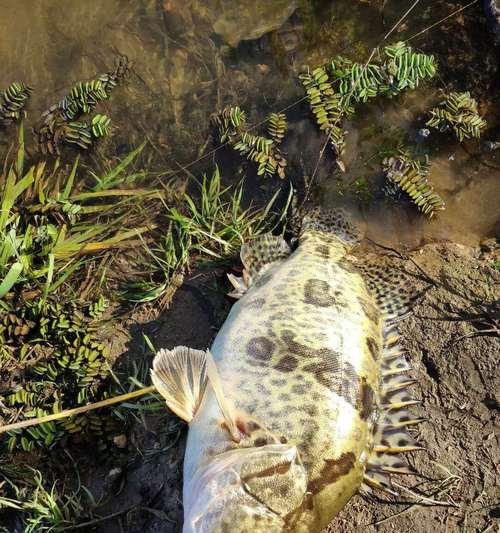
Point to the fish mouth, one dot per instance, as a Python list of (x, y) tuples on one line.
[(236, 487)]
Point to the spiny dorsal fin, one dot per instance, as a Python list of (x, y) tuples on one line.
[(390, 437), (260, 253), (390, 286), (181, 376)]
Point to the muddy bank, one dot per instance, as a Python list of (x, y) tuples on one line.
[(454, 361)]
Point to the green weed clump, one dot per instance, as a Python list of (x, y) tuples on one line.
[(60, 124), (410, 175), (264, 151), (12, 102), (458, 113), (212, 228), (334, 89), (51, 357)]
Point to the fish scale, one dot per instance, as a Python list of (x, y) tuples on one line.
[(306, 386)]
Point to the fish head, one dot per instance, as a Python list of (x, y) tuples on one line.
[(246, 489)]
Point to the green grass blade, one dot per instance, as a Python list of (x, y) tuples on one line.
[(11, 278)]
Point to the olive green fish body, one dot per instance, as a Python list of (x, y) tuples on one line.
[(299, 354)]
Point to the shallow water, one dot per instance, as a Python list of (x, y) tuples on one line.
[(194, 57)]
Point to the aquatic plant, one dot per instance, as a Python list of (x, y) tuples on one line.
[(410, 175), (59, 123), (47, 227), (264, 151), (458, 112), (13, 101), (54, 360), (43, 507), (211, 228), (326, 106), (333, 90)]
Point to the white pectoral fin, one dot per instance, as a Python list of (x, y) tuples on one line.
[(181, 376)]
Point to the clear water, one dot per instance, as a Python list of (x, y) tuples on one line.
[(190, 60)]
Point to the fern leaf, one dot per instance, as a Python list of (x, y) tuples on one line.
[(458, 112), (13, 101), (410, 176)]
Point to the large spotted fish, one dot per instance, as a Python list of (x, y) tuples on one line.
[(302, 398)]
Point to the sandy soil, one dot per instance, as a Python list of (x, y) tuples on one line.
[(455, 367)]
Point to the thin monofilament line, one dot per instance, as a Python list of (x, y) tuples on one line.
[(405, 14), (442, 20)]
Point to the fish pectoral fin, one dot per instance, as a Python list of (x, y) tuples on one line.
[(261, 252), (390, 286), (182, 375), (239, 284)]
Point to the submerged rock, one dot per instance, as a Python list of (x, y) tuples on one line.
[(240, 20)]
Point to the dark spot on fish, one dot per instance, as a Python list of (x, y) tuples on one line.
[(284, 397), (256, 303), (262, 279), (366, 400), (260, 441), (323, 251), (268, 472), (260, 348), (331, 471), (283, 440), (299, 389), (402, 442), (279, 382), (317, 293), (372, 348), (288, 363), (252, 426), (284, 491), (310, 409)]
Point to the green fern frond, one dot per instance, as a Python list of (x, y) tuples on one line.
[(410, 176), (100, 126), (13, 101), (277, 126), (326, 105), (458, 112), (231, 126)]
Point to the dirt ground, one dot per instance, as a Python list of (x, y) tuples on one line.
[(455, 365)]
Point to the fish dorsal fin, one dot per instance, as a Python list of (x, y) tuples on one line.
[(258, 254), (390, 436), (390, 286), (182, 375)]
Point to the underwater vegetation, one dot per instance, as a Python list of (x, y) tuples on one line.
[(60, 124), (12, 102), (457, 113), (210, 229), (334, 89), (231, 124), (410, 176)]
